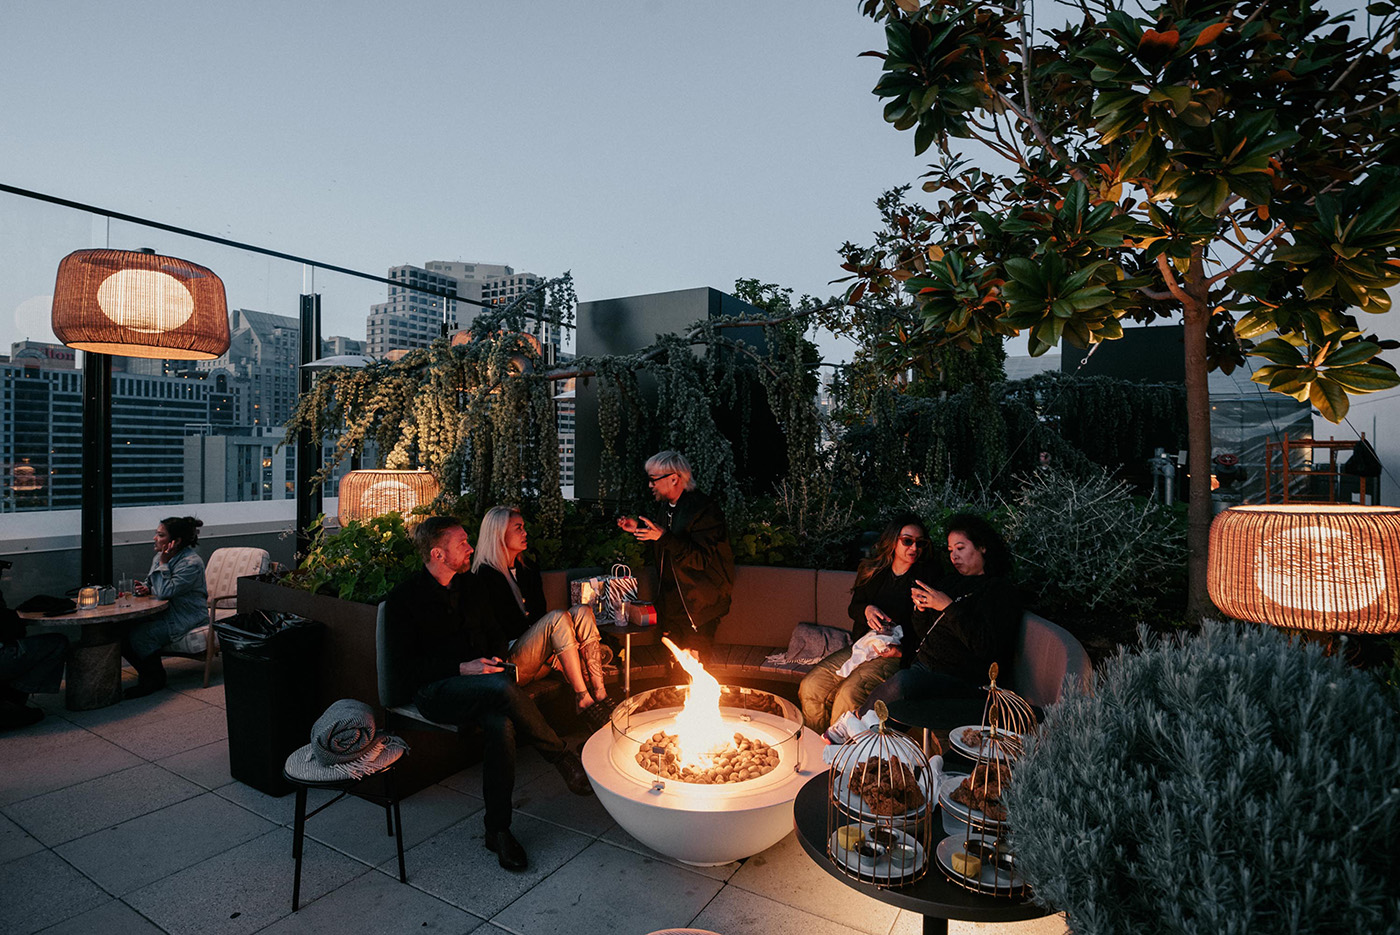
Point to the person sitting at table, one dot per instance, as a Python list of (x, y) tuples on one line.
[(962, 624), (512, 591), (880, 601), (177, 576), (28, 665)]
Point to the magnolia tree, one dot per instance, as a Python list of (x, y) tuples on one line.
[(1231, 163)]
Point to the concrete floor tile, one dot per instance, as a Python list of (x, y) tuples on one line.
[(529, 766), (14, 842), (213, 695), (379, 904), (128, 715), (244, 889), (57, 759), (168, 736), (609, 889), (358, 828), (785, 874), (280, 809), (547, 798), (735, 910), (155, 845), (206, 765), (454, 865), (615, 835), (41, 890), (69, 813), (1050, 925), (112, 918)]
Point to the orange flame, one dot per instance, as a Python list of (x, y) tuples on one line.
[(699, 728)]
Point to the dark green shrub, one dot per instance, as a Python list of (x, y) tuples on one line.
[(1230, 782)]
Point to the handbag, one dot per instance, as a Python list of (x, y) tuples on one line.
[(618, 588)]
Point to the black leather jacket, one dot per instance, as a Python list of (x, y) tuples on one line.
[(695, 565)]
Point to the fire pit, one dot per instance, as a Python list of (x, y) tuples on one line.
[(703, 773)]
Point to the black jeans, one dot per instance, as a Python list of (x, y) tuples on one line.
[(33, 663), (917, 682), (502, 710)]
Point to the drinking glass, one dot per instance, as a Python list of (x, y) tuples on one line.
[(124, 591)]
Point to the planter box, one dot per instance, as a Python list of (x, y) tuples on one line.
[(345, 668)]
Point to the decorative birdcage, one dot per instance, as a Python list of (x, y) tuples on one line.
[(880, 806), (979, 852)]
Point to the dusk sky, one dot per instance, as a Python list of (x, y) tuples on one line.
[(646, 146)]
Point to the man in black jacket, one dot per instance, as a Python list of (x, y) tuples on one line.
[(694, 563), (445, 654)]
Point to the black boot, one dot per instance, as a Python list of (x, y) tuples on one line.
[(150, 677)]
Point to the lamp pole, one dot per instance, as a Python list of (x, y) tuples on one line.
[(308, 449), (97, 469)]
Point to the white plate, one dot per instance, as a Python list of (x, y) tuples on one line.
[(856, 805), (961, 812), (882, 868), (993, 879), (1015, 742)]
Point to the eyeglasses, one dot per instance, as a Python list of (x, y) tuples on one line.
[(907, 541), (657, 480)]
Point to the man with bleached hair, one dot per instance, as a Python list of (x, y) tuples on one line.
[(690, 544)]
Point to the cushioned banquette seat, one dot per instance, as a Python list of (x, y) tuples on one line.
[(768, 603)]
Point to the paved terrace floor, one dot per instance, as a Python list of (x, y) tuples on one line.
[(125, 820)]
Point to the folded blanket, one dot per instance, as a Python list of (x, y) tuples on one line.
[(868, 646), (810, 644)]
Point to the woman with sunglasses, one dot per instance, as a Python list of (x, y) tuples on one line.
[(963, 623), (880, 601)]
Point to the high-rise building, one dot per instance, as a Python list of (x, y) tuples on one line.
[(41, 434), (264, 350), (412, 317)]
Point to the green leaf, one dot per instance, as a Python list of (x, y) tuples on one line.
[(1330, 399), (1350, 354), (1279, 351), (1364, 378)]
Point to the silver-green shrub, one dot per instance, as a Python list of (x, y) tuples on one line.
[(1231, 782)]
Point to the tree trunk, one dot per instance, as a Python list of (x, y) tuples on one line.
[(1196, 316)]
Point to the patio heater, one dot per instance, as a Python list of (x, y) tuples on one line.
[(1326, 568), (131, 304)]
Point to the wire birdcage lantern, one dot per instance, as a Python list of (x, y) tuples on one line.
[(880, 805), (978, 853)]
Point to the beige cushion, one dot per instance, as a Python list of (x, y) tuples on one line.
[(225, 567), (767, 604), (833, 598)]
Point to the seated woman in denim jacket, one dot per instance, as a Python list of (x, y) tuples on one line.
[(880, 601), (177, 576)]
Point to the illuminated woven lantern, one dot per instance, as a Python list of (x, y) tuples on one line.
[(139, 305), (1325, 567), (365, 494)]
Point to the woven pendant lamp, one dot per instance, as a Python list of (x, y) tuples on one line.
[(1331, 568), (366, 494), (135, 304)]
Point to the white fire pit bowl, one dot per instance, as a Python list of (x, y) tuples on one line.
[(704, 825)]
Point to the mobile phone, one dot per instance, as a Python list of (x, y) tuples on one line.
[(511, 670)]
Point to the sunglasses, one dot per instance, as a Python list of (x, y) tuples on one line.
[(657, 480), (907, 541)]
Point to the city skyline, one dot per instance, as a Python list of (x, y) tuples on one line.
[(645, 147)]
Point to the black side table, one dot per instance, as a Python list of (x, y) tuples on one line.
[(934, 896)]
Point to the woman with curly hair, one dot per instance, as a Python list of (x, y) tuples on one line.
[(964, 623), (880, 601)]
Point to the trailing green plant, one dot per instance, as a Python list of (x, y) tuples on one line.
[(1084, 541), (1226, 783), (360, 561), (587, 538)]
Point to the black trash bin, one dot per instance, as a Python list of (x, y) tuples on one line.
[(269, 693)]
